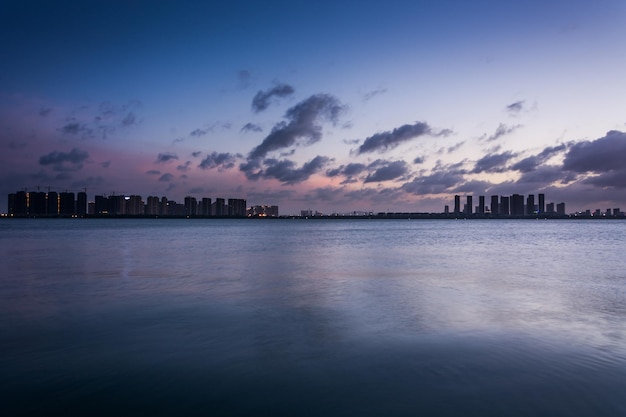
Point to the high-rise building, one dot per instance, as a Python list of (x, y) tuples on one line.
[(468, 205), (550, 208), (481, 204), (191, 206), (81, 203), (205, 207), (505, 206), (134, 205), (517, 205), (530, 205), (36, 203), (457, 204), (219, 207), (542, 204), (67, 204), (152, 206), (52, 203), (495, 207), (560, 209)]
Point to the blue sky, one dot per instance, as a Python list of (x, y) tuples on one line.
[(332, 106)]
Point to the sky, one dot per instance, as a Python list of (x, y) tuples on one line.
[(332, 106)]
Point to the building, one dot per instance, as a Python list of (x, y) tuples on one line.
[(67, 204), (530, 205), (495, 207), (541, 208), (205, 207), (468, 205), (505, 206), (457, 204), (81, 203), (560, 209), (517, 205), (191, 206), (481, 205)]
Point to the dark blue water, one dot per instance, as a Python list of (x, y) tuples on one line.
[(309, 318)]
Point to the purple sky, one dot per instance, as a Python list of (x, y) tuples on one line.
[(388, 106)]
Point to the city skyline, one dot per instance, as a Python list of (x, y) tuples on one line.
[(384, 107), (64, 204)]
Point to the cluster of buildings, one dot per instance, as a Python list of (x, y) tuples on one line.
[(518, 206), (68, 204)]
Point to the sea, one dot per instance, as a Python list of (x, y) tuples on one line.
[(317, 317)]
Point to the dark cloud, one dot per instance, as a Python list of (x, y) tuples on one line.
[(261, 100), (283, 170), (532, 162), (75, 128), (244, 78), (303, 124), (166, 157), (389, 171), (65, 161), (198, 132), (371, 94), (603, 158), (184, 167), (605, 154), (44, 111), (348, 170), (515, 107), (251, 127), (495, 162), (441, 180), (166, 177), (544, 175), (454, 147), (219, 160), (418, 160), (153, 172), (129, 120), (196, 154), (388, 140), (502, 130), (286, 172)]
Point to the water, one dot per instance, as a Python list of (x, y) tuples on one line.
[(310, 318)]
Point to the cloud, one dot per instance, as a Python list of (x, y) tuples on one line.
[(502, 130), (166, 177), (199, 132), (129, 120), (371, 94), (602, 160), (495, 162), (418, 160), (441, 180), (184, 167), (515, 107), (532, 162), (153, 172), (389, 171), (251, 127), (244, 78), (196, 154), (605, 154), (219, 160), (261, 100), (285, 172), (75, 128), (45, 111), (166, 157), (388, 140), (303, 124), (348, 170), (65, 161)]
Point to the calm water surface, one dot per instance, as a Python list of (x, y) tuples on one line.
[(311, 318)]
